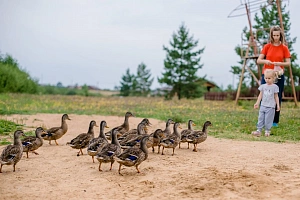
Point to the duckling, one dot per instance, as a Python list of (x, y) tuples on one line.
[(12, 153), (167, 131), (57, 132), (172, 140), (83, 139), (134, 156), (110, 150), (96, 144), (32, 143), (198, 136), (186, 132), (123, 127), (131, 139)]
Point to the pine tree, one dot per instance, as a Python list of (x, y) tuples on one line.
[(181, 65), (127, 84), (143, 81)]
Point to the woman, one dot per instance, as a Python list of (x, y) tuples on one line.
[(275, 53)]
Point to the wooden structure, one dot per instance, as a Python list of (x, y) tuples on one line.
[(252, 44)]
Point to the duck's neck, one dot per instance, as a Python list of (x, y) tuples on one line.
[(168, 129), (91, 131), (38, 135), (102, 135), (126, 123), (190, 125), (176, 132), (114, 140), (17, 141), (64, 125), (140, 129), (143, 146), (204, 129)]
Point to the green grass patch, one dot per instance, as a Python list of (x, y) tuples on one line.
[(229, 120)]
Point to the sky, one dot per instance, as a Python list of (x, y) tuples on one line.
[(94, 42)]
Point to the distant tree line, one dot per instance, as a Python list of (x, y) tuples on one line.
[(14, 79)]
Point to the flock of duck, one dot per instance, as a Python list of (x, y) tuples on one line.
[(128, 146)]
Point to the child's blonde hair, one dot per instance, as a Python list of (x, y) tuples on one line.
[(270, 72)]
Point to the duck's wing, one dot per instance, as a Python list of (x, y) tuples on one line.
[(9, 153), (28, 141), (109, 150), (169, 140), (184, 133), (81, 138), (53, 129), (96, 143), (131, 155), (195, 135)]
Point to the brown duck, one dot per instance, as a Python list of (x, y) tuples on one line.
[(57, 132), (12, 153)]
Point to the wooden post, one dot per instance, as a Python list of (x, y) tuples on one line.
[(278, 3)]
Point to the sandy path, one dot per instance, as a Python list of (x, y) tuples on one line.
[(221, 169)]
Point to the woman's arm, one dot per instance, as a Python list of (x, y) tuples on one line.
[(261, 60), (286, 63)]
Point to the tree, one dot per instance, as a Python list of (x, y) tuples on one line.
[(268, 17), (13, 78), (181, 65), (127, 84), (143, 81)]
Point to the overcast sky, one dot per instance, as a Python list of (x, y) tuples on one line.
[(93, 42)]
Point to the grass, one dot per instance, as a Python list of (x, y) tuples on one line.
[(229, 120)]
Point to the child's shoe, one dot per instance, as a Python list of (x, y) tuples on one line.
[(256, 133), (267, 133)]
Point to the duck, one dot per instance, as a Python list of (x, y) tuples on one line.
[(186, 132), (109, 151), (131, 139), (155, 138), (123, 128), (134, 156), (198, 136), (82, 140), (172, 140), (32, 143), (146, 123), (166, 131), (12, 153), (98, 143), (56, 133)]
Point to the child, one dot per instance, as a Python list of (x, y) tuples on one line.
[(269, 99)]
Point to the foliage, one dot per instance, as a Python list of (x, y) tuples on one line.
[(268, 17), (181, 65), (127, 84), (55, 90), (7, 127), (143, 81), (229, 120), (13, 78), (136, 85)]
